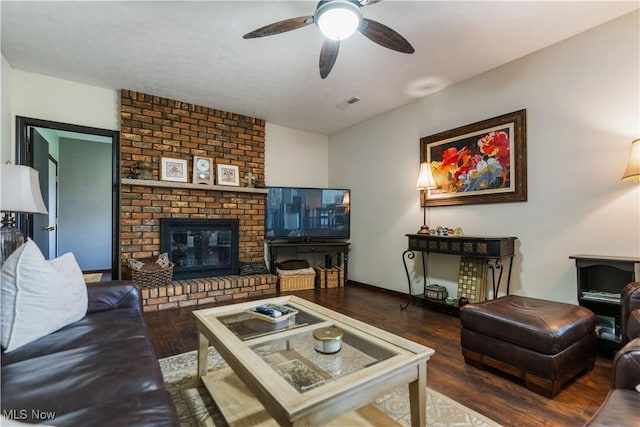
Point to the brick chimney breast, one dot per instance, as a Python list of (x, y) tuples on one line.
[(152, 127)]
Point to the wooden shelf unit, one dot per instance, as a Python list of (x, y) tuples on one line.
[(605, 274)]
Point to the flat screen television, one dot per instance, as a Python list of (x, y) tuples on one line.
[(307, 214)]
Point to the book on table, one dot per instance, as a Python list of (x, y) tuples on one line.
[(601, 296)]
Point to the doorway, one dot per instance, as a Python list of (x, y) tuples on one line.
[(83, 199)]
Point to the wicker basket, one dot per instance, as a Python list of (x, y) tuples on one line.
[(152, 275), (297, 282)]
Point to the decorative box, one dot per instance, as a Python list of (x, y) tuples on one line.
[(435, 292), (332, 277)]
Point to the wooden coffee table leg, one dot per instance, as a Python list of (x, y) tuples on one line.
[(418, 398), (203, 354)]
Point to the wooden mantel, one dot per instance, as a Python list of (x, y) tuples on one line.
[(190, 186)]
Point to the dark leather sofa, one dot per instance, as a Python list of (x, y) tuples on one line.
[(99, 371), (622, 405)]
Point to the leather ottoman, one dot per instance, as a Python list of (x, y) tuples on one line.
[(546, 343)]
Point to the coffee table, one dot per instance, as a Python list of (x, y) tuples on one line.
[(297, 385)]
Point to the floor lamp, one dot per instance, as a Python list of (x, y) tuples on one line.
[(425, 182), (19, 192)]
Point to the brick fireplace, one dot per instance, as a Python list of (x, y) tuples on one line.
[(153, 127)]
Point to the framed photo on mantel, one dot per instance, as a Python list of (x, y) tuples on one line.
[(173, 169), (228, 175), (483, 162)]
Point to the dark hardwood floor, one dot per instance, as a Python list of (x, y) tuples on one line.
[(498, 396)]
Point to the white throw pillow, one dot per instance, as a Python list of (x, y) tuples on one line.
[(39, 296)]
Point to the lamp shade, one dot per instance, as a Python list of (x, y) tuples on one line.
[(425, 178), (632, 173), (338, 19), (20, 190)]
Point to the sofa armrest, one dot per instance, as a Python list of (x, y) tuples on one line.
[(626, 366), (629, 304), (113, 295)]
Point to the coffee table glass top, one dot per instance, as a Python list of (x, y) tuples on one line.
[(295, 359), (247, 326)]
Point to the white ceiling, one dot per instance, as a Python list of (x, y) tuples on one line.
[(194, 51)]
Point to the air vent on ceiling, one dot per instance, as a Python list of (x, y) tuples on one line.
[(348, 102)]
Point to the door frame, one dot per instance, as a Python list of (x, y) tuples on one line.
[(55, 164), (24, 156)]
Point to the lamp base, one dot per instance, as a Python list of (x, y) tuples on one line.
[(10, 238), (424, 229)]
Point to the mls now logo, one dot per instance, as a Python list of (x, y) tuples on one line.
[(24, 414)]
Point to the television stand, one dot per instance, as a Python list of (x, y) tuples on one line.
[(340, 248)]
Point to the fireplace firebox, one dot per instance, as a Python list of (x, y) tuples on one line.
[(200, 247)]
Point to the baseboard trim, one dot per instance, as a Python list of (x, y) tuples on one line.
[(377, 288)]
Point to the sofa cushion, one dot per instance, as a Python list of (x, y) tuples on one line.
[(82, 377), (39, 296), (152, 408), (123, 323)]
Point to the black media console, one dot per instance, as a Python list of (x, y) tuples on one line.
[(300, 248)]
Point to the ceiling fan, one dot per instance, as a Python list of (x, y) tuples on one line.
[(338, 20)]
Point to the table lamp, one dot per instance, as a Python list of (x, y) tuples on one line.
[(425, 182), (20, 192), (632, 173)]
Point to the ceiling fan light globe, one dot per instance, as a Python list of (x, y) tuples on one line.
[(338, 20)]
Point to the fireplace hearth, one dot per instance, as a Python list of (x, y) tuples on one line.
[(200, 247)]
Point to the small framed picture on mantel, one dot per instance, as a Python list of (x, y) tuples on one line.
[(228, 175), (173, 169)]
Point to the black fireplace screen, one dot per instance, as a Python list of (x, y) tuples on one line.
[(200, 247)]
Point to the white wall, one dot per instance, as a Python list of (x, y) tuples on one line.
[(583, 111), (48, 98), (294, 158)]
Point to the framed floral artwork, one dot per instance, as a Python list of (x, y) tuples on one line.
[(483, 162), (173, 169), (228, 175)]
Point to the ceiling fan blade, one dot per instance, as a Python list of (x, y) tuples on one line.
[(328, 56), (280, 27), (384, 36)]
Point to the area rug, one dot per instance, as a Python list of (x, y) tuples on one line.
[(196, 407)]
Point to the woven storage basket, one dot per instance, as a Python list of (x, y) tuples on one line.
[(297, 282), (332, 277), (152, 275)]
